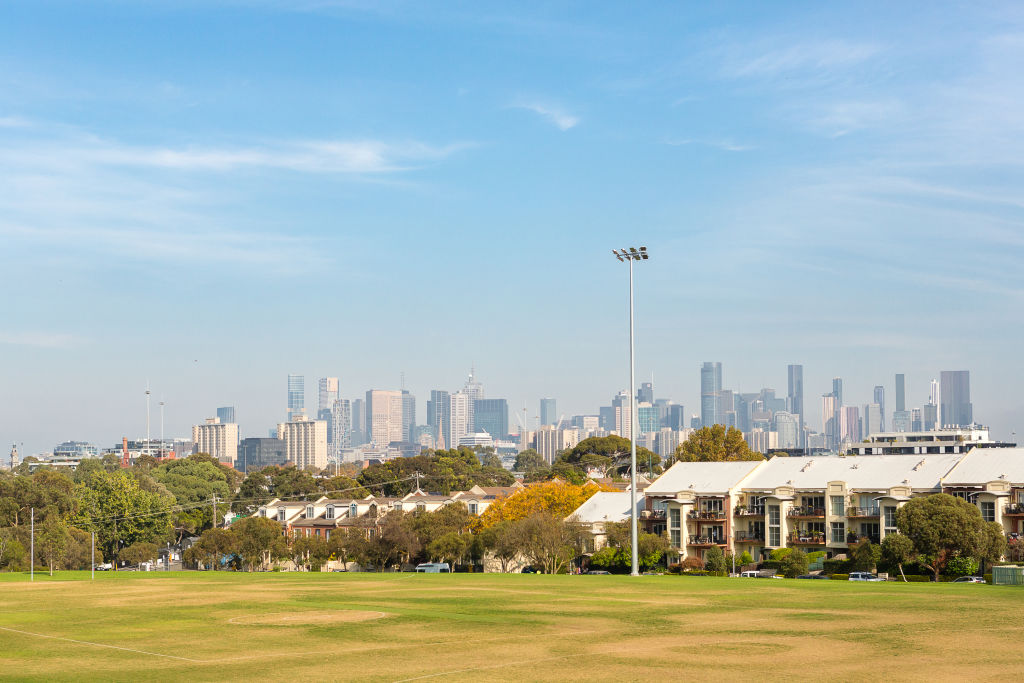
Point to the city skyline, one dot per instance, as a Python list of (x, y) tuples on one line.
[(824, 185)]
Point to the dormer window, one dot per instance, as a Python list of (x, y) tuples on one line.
[(398, 506), (330, 512), (420, 507), (309, 512), (280, 514), (353, 510), (473, 508)]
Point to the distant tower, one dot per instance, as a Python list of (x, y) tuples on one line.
[(880, 400), (15, 460), (296, 396)]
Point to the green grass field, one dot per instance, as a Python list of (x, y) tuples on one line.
[(394, 627)]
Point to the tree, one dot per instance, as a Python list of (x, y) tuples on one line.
[(260, 541), (193, 481), (550, 542), (52, 541), (309, 552), (993, 546), (529, 460), (214, 545), (795, 564), (556, 498), (864, 556), (341, 486), (448, 548), (139, 552), (347, 543), (941, 527), (897, 550), (714, 560), (12, 552), (395, 540), (715, 444), (504, 540), (745, 558), (604, 453), (961, 565)]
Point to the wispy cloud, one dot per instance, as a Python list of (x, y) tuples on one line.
[(42, 340), (808, 56), (560, 118), (13, 122)]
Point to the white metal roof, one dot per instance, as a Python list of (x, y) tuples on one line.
[(982, 465), (607, 506), (702, 477), (870, 472)]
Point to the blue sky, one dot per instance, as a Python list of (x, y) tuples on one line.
[(209, 195)]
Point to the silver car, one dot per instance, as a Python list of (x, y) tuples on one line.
[(864, 576)]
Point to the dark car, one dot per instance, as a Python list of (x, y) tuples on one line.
[(812, 576), (598, 571), (530, 570)]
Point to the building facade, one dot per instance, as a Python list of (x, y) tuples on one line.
[(305, 442), (217, 439)]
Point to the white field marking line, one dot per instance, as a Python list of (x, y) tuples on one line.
[(112, 647), (490, 666), (292, 616)]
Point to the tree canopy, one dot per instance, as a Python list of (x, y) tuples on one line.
[(942, 527), (715, 444)]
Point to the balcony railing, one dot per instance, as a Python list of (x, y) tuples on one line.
[(804, 511), (749, 537), (862, 512), (857, 538), (707, 540), (749, 511), (1014, 509), (652, 514), (706, 515), (807, 538)]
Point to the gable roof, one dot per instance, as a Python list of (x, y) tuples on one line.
[(607, 506), (702, 477), (871, 472), (982, 465)]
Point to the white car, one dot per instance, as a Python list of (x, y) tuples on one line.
[(864, 576)]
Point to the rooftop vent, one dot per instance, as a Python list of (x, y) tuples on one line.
[(918, 466), (805, 467), (853, 466), (906, 481)]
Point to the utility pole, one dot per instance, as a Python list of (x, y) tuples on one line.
[(215, 511), (92, 564), (32, 552)]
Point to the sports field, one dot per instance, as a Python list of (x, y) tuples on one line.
[(395, 627)]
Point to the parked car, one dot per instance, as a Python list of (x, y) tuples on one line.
[(812, 576), (969, 579), (864, 576), (598, 571), (433, 568), (752, 574), (105, 567), (530, 570)]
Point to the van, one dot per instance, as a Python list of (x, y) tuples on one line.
[(433, 568), (753, 574)]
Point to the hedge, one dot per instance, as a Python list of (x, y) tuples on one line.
[(840, 577), (988, 578), (916, 578)]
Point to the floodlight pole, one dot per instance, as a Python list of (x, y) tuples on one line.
[(632, 255), (32, 546)]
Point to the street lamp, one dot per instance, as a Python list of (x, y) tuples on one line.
[(630, 255)]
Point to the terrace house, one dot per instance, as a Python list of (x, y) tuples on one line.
[(992, 479)]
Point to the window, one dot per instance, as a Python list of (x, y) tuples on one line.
[(420, 507), (280, 514), (838, 531), (988, 511), (353, 510), (838, 506), (473, 507), (330, 512), (815, 503), (713, 505), (889, 517), (309, 512), (673, 528), (774, 526)]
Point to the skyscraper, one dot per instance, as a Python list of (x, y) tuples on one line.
[(710, 387), (830, 426), (491, 415), (933, 393), (473, 391), (955, 398), (383, 416), (459, 418), (217, 439), (296, 396), (645, 394), (408, 415), (340, 432), (795, 400), (872, 420), (358, 422), (548, 411), (622, 406), (328, 394), (880, 400), (439, 411), (305, 442), (837, 390), (787, 426), (901, 396), (226, 414), (850, 426)]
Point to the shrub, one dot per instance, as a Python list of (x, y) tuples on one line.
[(745, 558), (834, 566), (961, 566), (780, 553), (675, 568), (919, 578), (795, 564), (840, 577), (714, 560), (988, 578)]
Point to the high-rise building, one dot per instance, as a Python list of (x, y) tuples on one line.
[(256, 453), (550, 441), (872, 420), (491, 415), (850, 426), (226, 415), (296, 396), (837, 390), (647, 418), (305, 442), (933, 393), (676, 418), (901, 421), (384, 416), (216, 438), (328, 394), (830, 426), (787, 426), (916, 421), (645, 394), (622, 406), (339, 435), (710, 387), (795, 394), (439, 412), (955, 398), (459, 417), (358, 422), (880, 400), (548, 411), (408, 415), (474, 391), (930, 417), (901, 396)]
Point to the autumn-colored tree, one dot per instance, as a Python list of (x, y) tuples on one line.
[(715, 444), (551, 497)]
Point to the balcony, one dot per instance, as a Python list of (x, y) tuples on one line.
[(706, 515), (652, 514), (862, 512), (706, 540), (854, 538), (803, 512), (807, 538), (749, 537), (749, 511), (1014, 510)]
